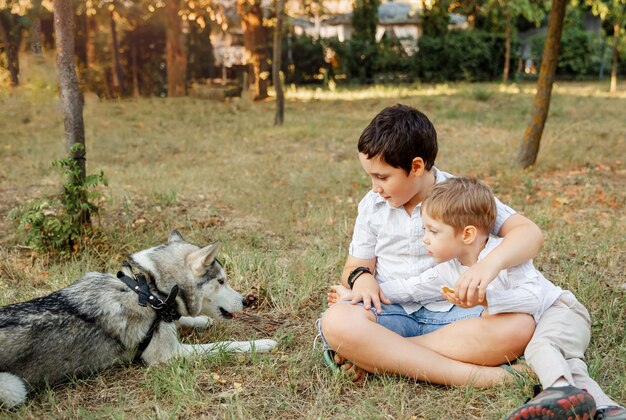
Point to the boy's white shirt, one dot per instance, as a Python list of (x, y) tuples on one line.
[(394, 238), (518, 289)]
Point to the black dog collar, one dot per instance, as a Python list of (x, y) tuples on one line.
[(165, 309)]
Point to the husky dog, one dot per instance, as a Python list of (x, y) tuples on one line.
[(102, 320)]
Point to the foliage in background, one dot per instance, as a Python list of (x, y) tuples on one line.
[(435, 19), (393, 64), (579, 52), (460, 55), (303, 59), (149, 40), (578, 56), (55, 224), (361, 49)]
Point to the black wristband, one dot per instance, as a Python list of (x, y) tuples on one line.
[(354, 274)]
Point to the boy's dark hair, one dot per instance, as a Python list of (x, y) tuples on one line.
[(460, 202), (399, 134)]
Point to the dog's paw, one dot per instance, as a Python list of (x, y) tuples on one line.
[(200, 322), (264, 345)]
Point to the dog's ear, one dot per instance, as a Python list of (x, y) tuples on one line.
[(175, 236), (201, 259)]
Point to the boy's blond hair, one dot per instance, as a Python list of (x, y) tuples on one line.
[(460, 202)]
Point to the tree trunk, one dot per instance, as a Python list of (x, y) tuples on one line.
[(134, 68), (90, 47), (613, 87), (10, 34), (118, 74), (4, 37), (175, 51), (255, 43), (539, 114), (71, 96), (276, 63), (507, 48), (35, 28)]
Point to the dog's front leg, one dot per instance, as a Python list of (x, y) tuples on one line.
[(259, 346), (201, 322)]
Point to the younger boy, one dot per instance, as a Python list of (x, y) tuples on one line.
[(458, 215)]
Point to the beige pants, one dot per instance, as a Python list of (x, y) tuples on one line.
[(557, 348)]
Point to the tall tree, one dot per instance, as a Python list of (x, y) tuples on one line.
[(539, 114), (435, 17), (363, 42), (91, 27), (35, 28), (507, 12), (175, 51), (118, 75), (276, 63), (71, 95), (614, 12), (255, 39), (11, 37)]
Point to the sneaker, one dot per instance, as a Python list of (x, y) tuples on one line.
[(329, 359), (565, 402), (612, 412)]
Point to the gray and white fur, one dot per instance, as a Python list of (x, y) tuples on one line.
[(97, 322)]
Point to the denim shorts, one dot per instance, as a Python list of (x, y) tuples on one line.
[(420, 322)]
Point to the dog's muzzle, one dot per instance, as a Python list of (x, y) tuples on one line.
[(226, 314)]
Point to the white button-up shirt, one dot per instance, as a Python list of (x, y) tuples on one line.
[(394, 238), (517, 289)]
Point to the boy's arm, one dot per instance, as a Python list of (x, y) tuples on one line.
[(424, 288), (366, 288), (522, 241), (522, 292), (524, 299)]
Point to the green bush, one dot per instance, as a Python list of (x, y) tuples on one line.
[(358, 55), (357, 58), (461, 55), (303, 59), (577, 57), (392, 63), (57, 223), (431, 62), (386, 61)]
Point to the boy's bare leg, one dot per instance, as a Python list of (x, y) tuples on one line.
[(354, 333), (489, 340)]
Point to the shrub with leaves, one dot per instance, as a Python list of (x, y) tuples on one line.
[(461, 55), (303, 59), (58, 223), (577, 56)]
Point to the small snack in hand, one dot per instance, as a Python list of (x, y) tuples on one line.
[(446, 289)]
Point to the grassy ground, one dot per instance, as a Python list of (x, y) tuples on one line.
[(283, 200)]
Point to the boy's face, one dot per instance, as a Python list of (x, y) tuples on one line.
[(441, 241), (393, 184)]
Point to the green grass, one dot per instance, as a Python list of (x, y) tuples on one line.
[(283, 201)]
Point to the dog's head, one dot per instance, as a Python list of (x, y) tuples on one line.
[(201, 279)]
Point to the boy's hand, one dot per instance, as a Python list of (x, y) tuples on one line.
[(471, 287), (450, 297), (367, 290)]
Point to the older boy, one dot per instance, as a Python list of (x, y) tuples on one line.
[(398, 150), (458, 215)]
